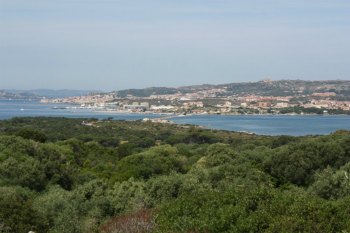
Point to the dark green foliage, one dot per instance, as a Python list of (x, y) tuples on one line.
[(128, 196), (251, 211), (283, 140), (166, 188), (194, 136), (16, 211), (296, 163), (64, 175), (33, 134), (125, 149), (332, 184), (156, 161), (109, 142)]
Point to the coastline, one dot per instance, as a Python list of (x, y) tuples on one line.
[(211, 114), (266, 124)]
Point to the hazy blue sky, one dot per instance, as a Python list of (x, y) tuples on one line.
[(117, 44)]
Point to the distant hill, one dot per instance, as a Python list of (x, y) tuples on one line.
[(147, 91), (289, 87), (264, 88), (17, 95), (39, 93), (62, 93)]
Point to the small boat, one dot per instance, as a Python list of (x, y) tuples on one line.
[(22, 109)]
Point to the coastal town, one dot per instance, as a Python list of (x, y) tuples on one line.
[(220, 99)]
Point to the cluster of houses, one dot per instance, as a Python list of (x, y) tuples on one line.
[(205, 101)]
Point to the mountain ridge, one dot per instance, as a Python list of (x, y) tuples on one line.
[(263, 87)]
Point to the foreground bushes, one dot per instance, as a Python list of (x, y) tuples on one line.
[(58, 175), (253, 211)]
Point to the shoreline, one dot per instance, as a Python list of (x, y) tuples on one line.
[(211, 114), (72, 106)]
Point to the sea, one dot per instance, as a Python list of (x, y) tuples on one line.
[(25, 108), (293, 125)]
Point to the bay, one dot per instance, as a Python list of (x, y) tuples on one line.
[(21, 108), (296, 125)]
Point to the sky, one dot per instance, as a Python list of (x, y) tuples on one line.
[(118, 44)]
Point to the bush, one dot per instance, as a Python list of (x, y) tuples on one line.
[(158, 160), (128, 196), (332, 184), (141, 221), (16, 211), (32, 134)]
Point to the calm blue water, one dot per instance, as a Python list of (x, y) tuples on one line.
[(268, 125), (271, 124), (16, 108)]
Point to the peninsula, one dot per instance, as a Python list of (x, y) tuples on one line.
[(263, 97)]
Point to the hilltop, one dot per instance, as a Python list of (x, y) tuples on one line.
[(263, 88), (18, 95), (43, 93)]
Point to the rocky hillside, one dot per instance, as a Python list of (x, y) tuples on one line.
[(265, 88)]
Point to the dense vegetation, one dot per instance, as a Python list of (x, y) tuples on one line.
[(84, 175)]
